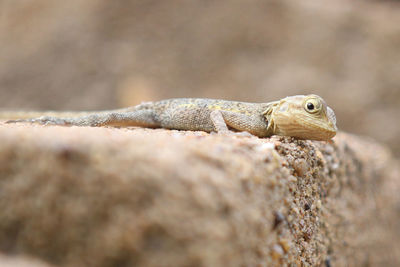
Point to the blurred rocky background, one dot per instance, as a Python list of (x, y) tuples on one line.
[(101, 54)]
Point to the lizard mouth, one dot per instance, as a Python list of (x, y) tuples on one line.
[(322, 133)]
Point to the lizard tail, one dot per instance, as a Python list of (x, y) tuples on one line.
[(14, 115), (18, 115)]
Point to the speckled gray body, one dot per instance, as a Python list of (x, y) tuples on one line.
[(195, 114), (289, 117)]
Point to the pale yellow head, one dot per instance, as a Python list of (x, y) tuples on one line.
[(303, 117)]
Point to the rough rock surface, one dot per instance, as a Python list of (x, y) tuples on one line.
[(80, 54), (76, 196), (10, 261)]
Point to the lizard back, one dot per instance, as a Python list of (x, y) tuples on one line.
[(194, 113)]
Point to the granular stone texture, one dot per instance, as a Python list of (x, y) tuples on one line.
[(102, 54), (7, 261), (77, 196)]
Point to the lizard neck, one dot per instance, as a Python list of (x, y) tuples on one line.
[(268, 117)]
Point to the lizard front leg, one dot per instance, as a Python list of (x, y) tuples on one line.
[(255, 125), (219, 122)]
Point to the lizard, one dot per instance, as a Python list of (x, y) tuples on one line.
[(300, 116)]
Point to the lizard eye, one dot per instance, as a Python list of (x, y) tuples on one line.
[(312, 105)]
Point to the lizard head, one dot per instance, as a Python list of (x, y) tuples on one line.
[(303, 117)]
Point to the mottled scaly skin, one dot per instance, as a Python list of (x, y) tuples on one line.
[(304, 117), (194, 114)]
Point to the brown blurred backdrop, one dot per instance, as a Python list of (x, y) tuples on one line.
[(102, 54)]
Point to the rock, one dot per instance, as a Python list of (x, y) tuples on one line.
[(123, 53), (6, 261), (77, 196)]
